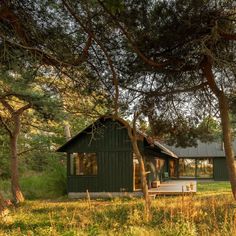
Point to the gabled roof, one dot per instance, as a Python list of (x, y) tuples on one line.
[(209, 149), (157, 144), (101, 120), (86, 130)]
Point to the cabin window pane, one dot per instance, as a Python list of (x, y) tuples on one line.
[(196, 168), (172, 168), (160, 163), (86, 164), (205, 168), (187, 168)]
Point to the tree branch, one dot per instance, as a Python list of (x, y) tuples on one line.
[(132, 43), (161, 94), (49, 59), (206, 66), (11, 17), (7, 106), (5, 126), (22, 109), (28, 150), (109, 60)]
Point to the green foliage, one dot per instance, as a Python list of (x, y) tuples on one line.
[(56, 177), (114, 6), (5, 188), (209, 130), (34, 186), (185, 131), (4, 157), (50, 183), (181, 131)]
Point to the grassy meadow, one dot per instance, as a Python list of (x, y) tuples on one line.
[(211, 211)]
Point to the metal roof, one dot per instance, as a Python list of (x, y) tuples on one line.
[(209, 149), (165, 149)]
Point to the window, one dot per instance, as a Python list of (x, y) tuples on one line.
[(205, 168), (172, 168), (187, 168), (196, 168), (160, 164), (85, 164)]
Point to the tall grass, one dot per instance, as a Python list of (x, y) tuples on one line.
[(212, 211), (181, 215)]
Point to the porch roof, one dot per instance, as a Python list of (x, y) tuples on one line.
[(208, 149)]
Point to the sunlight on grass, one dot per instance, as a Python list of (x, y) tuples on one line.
[(200, 214), (213, 188)]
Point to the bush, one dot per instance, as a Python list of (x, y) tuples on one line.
[(48, 184), (5, 188), (56, 178)]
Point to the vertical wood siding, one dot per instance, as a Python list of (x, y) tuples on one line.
[(220, 169), (114, 157)]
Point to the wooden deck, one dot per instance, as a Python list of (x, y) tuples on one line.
[(175, 187)]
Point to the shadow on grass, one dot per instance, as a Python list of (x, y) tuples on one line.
[(24, 226), (46, 210)]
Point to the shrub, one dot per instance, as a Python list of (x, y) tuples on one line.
[(56, 178), (5, 188), (48, 184)]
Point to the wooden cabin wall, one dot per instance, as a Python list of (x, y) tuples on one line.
[(114, 158), (220, 171)]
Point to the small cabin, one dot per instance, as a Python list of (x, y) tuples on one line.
[(100, 160)]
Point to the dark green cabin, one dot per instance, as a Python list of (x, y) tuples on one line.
[(205, 161), (100, 159)]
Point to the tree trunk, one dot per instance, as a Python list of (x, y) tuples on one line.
[(227, 138), (143, 178), (15, 187), (134, 142), (13, 135), (225, 120)]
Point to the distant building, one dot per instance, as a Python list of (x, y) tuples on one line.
[(205, 161)]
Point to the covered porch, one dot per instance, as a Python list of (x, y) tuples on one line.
[(174, 187)]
